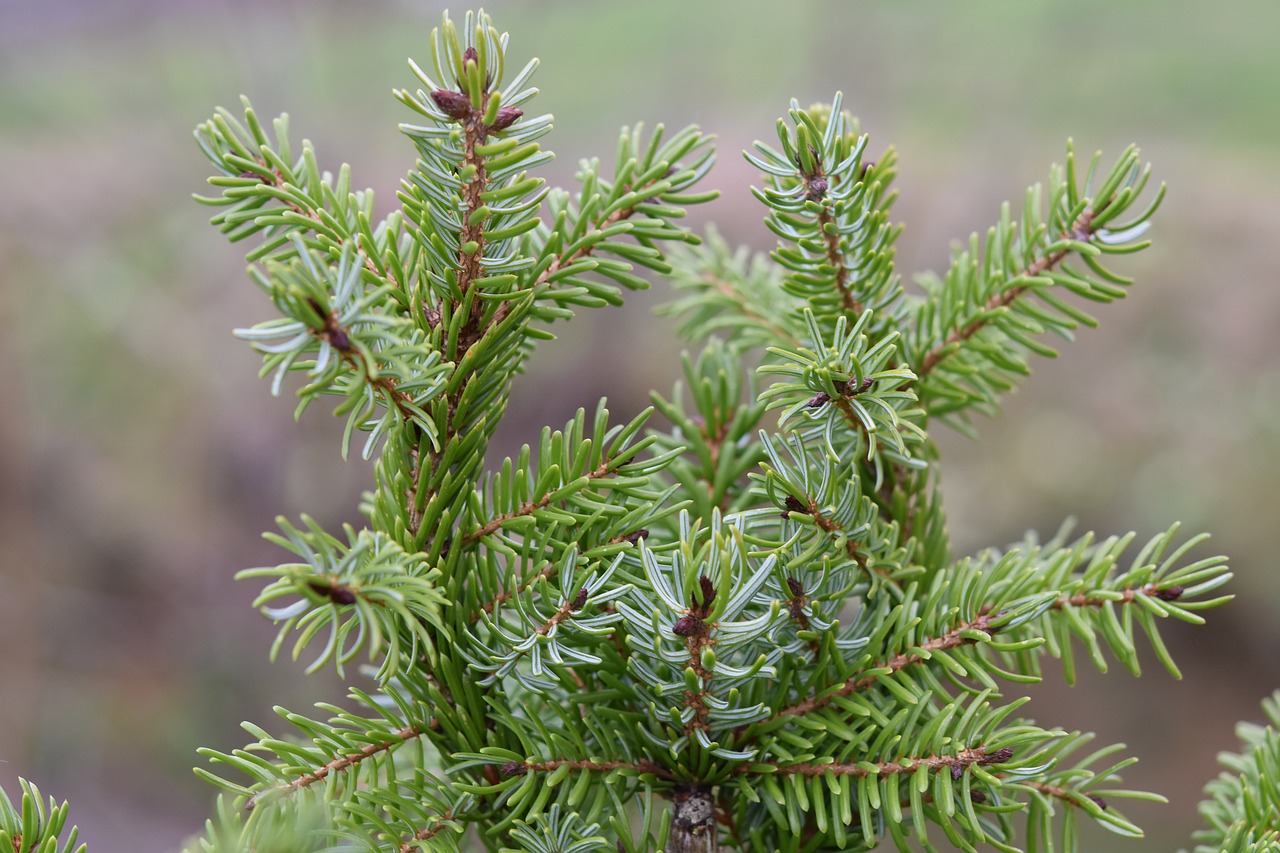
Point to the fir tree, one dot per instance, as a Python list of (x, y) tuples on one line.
[(737, 627)]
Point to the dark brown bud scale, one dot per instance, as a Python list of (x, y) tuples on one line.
[(507, 116), (470, 55), (512, 768), (336, 593), (794, 504), (579, 600), (957, 770), (797, 588), (977, 796), (1172, 593), (689, 626), (819, 399), (454, 104), (635, 535), (708, 590), (1000, 756), (339, 339), (1102, 804), (815, 188)]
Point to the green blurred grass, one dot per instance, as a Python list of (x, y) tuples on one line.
[(139, 456)]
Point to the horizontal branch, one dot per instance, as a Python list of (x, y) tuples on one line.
[(312, 214), (519, 768), (957, 637), (427, 832), (341, 763), (527, 508), (950, 640), (953, 764), (1080, 230)]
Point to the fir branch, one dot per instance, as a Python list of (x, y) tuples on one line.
[(548, 571), (339, 337), (778, 333), (340, 764), (322, 222), (530, 507), (429, 832), (816, 187), (1081, 230), (953, 764), (519, 768), (959, 636)]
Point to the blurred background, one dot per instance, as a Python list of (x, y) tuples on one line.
[(140, 456)]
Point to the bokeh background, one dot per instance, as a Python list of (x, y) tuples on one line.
[(140, 456)]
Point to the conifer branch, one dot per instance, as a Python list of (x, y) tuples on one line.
[(1080, 231), (744, 307), (428, 832), (320, 220), (547, 571), (494, 524), (340, 764), (950, 640), (519, 768), (953, 764), (675, 668)]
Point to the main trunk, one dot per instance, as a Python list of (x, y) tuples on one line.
[(693, 821)]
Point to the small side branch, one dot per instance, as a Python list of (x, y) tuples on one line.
[(953, 764), (1081, 230), (427, 832), (528, 508), (950, 640), (340, 764), (519, 768)]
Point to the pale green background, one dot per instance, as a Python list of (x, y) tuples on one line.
[(140, 457)]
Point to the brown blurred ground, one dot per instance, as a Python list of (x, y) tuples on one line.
[(140, 456)]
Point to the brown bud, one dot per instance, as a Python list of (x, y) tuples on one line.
[(454, 104), (579, 600), (797, 588), (336, 593), (957, 770), (689, 626), (819, 399), (977, 796), (339, 339), (815, 187), (512, 768), (1000, 756), (1172, 593), (506, 117), (470, 55), (850, 390), (708, 590), (634, 536), (794, 504)]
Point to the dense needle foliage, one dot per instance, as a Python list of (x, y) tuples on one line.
[(736, 626)]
